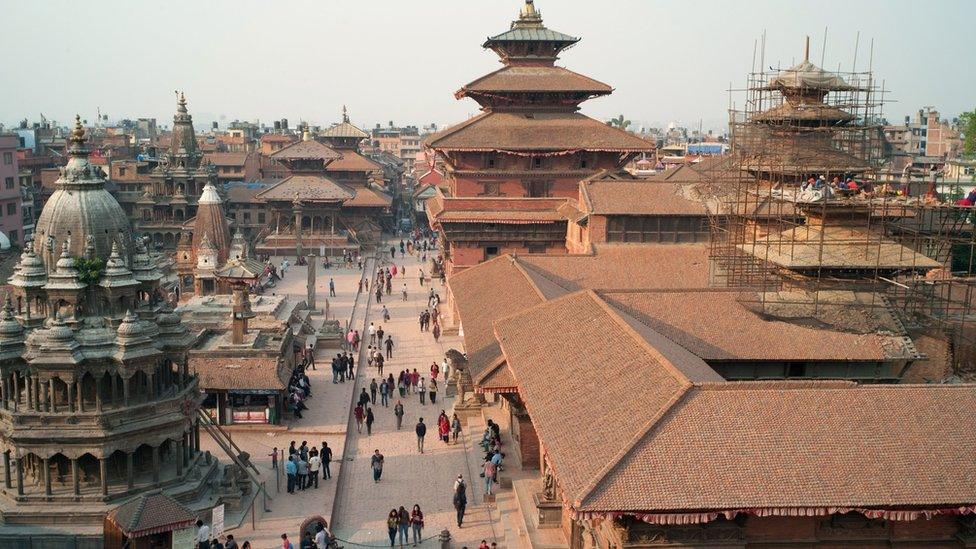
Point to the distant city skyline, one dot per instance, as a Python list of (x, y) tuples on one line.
[(401, 61)]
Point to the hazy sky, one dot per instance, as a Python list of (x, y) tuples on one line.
[(402, 60)]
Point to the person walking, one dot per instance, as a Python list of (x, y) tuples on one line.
[(384, 394), (379, 363), (417, 523), (455, 428), (376, 462), (360, 417), (402, 385), (203, 535), (404, 524), (302, 473), (369, 421), (291, 469), (488, 471), (350, 362), (389, 346), (422, 391), (373, 387), (326, 456), (421, 277), (404, 291), (274, 459), (460, 499), (421, 430), (331, 287), (432, 391), (363, 398), (314, 464), (398, 412), (372, 333), (392, 525), (436, 332), (443, 427), (379, 335)]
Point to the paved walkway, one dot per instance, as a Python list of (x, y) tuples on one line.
[(408, 477), (326, 420)]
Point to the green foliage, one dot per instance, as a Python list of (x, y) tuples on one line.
[(967, 123), (90, 271), (619, 122)]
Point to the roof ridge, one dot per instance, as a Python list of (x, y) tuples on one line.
[(522, 269), (450, 130), (645, 431)]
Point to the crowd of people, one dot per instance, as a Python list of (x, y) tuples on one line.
[(401, 523)]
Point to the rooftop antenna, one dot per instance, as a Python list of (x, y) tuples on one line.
[(806, 52)]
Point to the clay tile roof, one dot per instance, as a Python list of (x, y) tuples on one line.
[(799, 448), (226, 158), (344, 129), (611, 381), (228, 374), (352, 161), (498, 209), (733, 332), (313, 188), (622, 197), (150, 514), (244, 193), (535, 78), (278, 138), (484, 293), (496, 378), (626, 267), (306, 150), (554, 131), (367, 197)]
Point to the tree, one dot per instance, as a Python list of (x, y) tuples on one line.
[(619, 122), (967, 123)]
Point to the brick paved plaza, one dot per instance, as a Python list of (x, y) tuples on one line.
[(360, 506)]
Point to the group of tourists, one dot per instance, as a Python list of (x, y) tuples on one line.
[(402, 522), (303, 465), (446, 429), (299, 386), (384, 280), (343, 367)]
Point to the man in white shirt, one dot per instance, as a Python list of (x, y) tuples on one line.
[(314, 462), (203, 535), (372, 334)]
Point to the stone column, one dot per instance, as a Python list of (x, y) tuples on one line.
[(4, 392), (115, 389), (129, 470), (46, 463), (125, 391), (6, 470), (310, 286), (75, 477), (103, 474), (155, 464), (49, 405), (298, 228), (16, 391), (71, 395), (20, 476), (151, 385), (179, 458), (196, 436), (29, 394), (98, 395)]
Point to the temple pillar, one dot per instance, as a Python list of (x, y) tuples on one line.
[(125, 391), (4, 392), (196, 436), (151, 385), (28, 389), (71, 396), (187, 448), (298, 228), (115, 389), (46, 463), (155, 464), (103, 474), (129, 470), (75, 477), (16, 390), (6, 470), (20, 476), (179, 458), (48, 390), (310, 285), (98, 396)]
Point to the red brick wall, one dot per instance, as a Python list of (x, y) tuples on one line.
[(527, 441)]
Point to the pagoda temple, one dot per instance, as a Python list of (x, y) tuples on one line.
[(97, 405), (177, 184), (513, 170), (200, 253)]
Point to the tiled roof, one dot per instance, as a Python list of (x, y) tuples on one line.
[(310, 149), (531, 34), (150, 514), (535, 78), (313, 188), (814, 247), (553, 131), (344, 129), (625, 267), (367, 197), (239, 373), (278, 138), (733, 332), (497, 209), (352, 161), (244, 193), (484, 293), (226, 158), (591, 382), (622, 197), (800, 445)]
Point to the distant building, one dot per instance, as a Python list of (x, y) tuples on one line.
[(11, 216), (921, 142)]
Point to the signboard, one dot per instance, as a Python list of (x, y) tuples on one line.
[(185, 538), (217, 529)]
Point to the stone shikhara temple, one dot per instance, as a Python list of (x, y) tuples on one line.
[(96, 403)]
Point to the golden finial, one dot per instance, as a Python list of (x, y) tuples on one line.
[(78, 134)]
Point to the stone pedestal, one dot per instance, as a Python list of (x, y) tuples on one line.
[(550, 512)]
